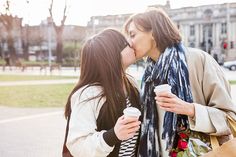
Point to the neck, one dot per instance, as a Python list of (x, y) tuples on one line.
[(125, 67), (154, 54)]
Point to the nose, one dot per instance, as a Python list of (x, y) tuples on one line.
[(130, 42)]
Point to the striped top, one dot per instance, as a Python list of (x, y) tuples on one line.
[(128, 147)]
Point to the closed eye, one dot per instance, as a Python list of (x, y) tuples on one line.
[(132, 35)]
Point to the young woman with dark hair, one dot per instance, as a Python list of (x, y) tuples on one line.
[(95, 107)]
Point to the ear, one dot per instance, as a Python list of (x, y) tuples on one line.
[(152, 37), (153, 40)]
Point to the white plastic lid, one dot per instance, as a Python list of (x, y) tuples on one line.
[(132, 111), (163, 88)]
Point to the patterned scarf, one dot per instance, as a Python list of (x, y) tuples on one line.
[(171, 68)]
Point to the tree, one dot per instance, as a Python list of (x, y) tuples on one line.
[(8, 20), (59, 31)]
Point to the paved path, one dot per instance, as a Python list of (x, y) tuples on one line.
[(29, 132)]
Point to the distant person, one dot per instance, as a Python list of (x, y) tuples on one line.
[(200, 93), (218, 55), (95, 106)]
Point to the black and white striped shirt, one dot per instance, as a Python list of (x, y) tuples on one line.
[(128, 147)]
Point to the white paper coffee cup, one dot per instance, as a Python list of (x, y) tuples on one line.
[(131, 112), (162, 88)]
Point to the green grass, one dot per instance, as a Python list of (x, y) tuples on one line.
[(32, 77), (2, 62), (232, 82), (35, 96)]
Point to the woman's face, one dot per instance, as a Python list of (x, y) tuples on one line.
[(128, 56), (142, 42)]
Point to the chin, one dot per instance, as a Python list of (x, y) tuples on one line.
[(138, 58)]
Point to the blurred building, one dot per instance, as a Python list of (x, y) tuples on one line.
[(98, 23), (36, 38), (206, 27), (39, 37)]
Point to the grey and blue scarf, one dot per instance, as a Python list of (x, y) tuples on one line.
[(171, 68)]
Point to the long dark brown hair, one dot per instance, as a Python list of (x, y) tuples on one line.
[(164, 31), (101, 64)]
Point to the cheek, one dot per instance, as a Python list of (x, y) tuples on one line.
[(128, 57), (141, 47), (141, 50)]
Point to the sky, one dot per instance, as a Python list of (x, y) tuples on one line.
[(80, 11)]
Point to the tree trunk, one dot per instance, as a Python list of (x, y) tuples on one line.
[(59, 48), (25, 42), (25, 46), (11, 47)]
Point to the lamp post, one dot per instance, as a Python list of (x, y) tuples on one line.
[(49, 21), (26, 48), (228, 27)]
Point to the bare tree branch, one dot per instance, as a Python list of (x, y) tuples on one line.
[(50, 8), (59, 30), (50, 11), (64, 14)]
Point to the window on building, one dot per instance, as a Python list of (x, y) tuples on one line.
[(223, 28), (192, 30)]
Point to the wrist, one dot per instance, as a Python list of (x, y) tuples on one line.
[(191, 112), (110, 137)]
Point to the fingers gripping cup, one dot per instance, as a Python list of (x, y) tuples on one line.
[(131, 112), (162, 88)]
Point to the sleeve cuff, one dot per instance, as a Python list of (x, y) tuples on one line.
[(201, 121), (110, 137)]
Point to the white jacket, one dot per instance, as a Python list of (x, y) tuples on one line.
[(83, 140)]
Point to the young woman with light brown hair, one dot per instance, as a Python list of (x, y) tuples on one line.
[(200, 98)]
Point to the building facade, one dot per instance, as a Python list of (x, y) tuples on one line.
[(208, 27)]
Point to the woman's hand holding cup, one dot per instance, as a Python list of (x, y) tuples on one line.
[(170, 102), (128, 124)]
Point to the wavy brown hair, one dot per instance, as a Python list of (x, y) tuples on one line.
[(164, 31), (101, 64)]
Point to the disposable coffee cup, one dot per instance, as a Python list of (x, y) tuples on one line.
[(131, 112), (162, 88)]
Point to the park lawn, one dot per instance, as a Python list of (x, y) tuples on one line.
[(32, 77), (2, 62), (232, 82), (35, 95)]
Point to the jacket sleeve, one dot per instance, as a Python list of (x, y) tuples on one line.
[(83, 139), (211, 117)]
